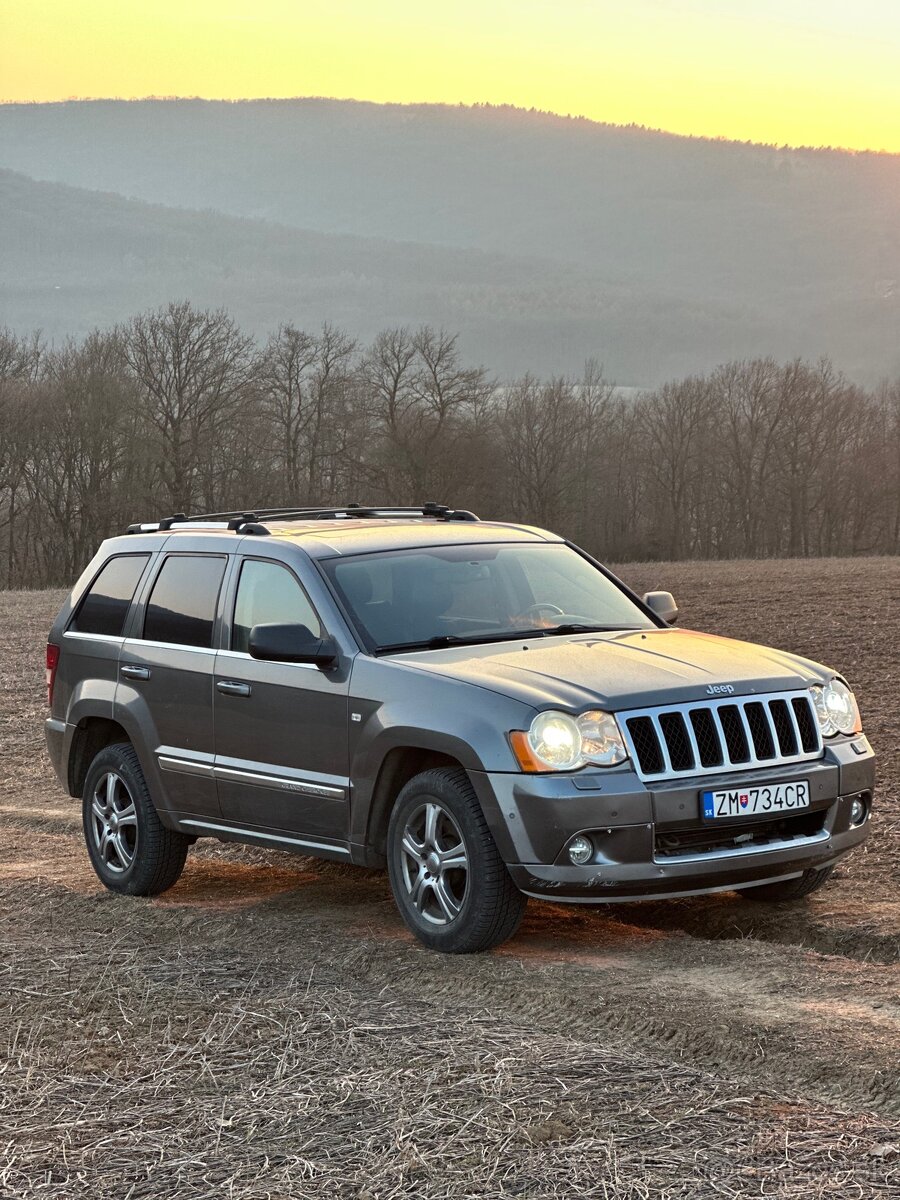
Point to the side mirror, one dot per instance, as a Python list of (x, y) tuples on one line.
[(291, 644), (663, 605)]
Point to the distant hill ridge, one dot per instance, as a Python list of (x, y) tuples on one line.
[(658, 253)]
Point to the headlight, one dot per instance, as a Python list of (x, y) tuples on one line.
[(557, 741), (836, 709), (601, 742)]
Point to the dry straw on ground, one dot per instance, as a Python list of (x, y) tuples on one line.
[(267, 1031)]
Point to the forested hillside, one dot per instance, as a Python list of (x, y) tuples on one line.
[(657, 254), (74, 259)]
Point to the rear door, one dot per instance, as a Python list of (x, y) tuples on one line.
[(166, 676), (281, 739), (88, 669)]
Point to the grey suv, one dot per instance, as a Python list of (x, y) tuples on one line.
[(481, 707)]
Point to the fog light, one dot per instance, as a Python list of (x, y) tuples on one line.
[(858, 812), (580, 850)]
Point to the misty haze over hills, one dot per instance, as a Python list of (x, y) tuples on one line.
[(543, 240)]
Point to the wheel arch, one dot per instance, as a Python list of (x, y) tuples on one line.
[(399, 765), (92, 734)]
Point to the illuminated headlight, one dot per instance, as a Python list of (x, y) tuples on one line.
[(836, 709), (557, 741)]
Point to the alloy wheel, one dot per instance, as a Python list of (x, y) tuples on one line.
[(114, 823), (434, 863)]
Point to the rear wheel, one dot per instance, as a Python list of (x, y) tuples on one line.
[(789, 889), (129, 847), (450, 883)]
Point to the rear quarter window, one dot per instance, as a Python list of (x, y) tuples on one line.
[(105, 604), (182, 604)]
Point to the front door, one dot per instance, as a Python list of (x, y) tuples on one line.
[(282, 757)]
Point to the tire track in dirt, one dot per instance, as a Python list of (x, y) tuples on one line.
[(828, 923), (772, 1019)]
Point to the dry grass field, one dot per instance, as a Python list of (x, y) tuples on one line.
[(269, 1031)]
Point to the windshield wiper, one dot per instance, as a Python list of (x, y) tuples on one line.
[(441, 640), (579, 627)]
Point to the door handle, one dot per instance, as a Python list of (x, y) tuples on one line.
[(133, 671), (230, 687)]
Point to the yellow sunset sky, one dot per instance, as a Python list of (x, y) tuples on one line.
[(802, 72)]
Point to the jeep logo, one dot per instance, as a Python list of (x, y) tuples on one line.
[(720, 689)]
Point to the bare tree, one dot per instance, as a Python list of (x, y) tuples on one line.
[(676, 423), (78, 466), (420, 397), (178, 410), (194, 370), (282, 375)]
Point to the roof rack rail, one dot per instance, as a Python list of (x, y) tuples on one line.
[(440, 512), (250, 522), (243, 522)]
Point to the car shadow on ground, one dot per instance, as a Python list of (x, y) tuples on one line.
[(219, 877)]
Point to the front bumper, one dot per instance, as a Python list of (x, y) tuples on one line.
[(633, 828)]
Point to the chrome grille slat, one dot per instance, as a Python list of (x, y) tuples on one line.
[(773, 730), (692, 738), (795, 725), (748, 734), (660, 737), (712, 706)]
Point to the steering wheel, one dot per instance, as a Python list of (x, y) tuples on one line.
[(535, 610)]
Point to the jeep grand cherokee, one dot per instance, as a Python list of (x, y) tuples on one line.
[(479, 706)]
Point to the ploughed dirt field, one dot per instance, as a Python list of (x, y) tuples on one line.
[(269, 1030)]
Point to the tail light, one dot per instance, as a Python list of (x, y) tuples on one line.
[(52, 663)]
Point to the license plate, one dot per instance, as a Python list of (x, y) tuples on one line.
[(774, 798)]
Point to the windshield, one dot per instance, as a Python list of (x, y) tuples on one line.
[(438, 596)]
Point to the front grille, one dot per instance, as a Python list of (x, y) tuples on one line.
[(749, 835), (675, 732), (808, 724), (788, 736), (709, 745), (761, 732), (722, 735)]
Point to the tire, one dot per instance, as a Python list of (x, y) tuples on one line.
[(456, 909), (138, 856), (789, 889)]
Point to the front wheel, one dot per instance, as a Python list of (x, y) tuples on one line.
[(789, 889), (449, 881), (129, 847)]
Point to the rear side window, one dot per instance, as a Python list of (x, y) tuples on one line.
[(106, 602), (182, 604)]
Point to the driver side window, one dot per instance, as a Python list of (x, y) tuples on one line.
[(269, 594)]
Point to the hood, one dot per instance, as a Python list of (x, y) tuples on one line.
[(637, 669)]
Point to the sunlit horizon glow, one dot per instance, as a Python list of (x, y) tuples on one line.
[(799, 72)]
